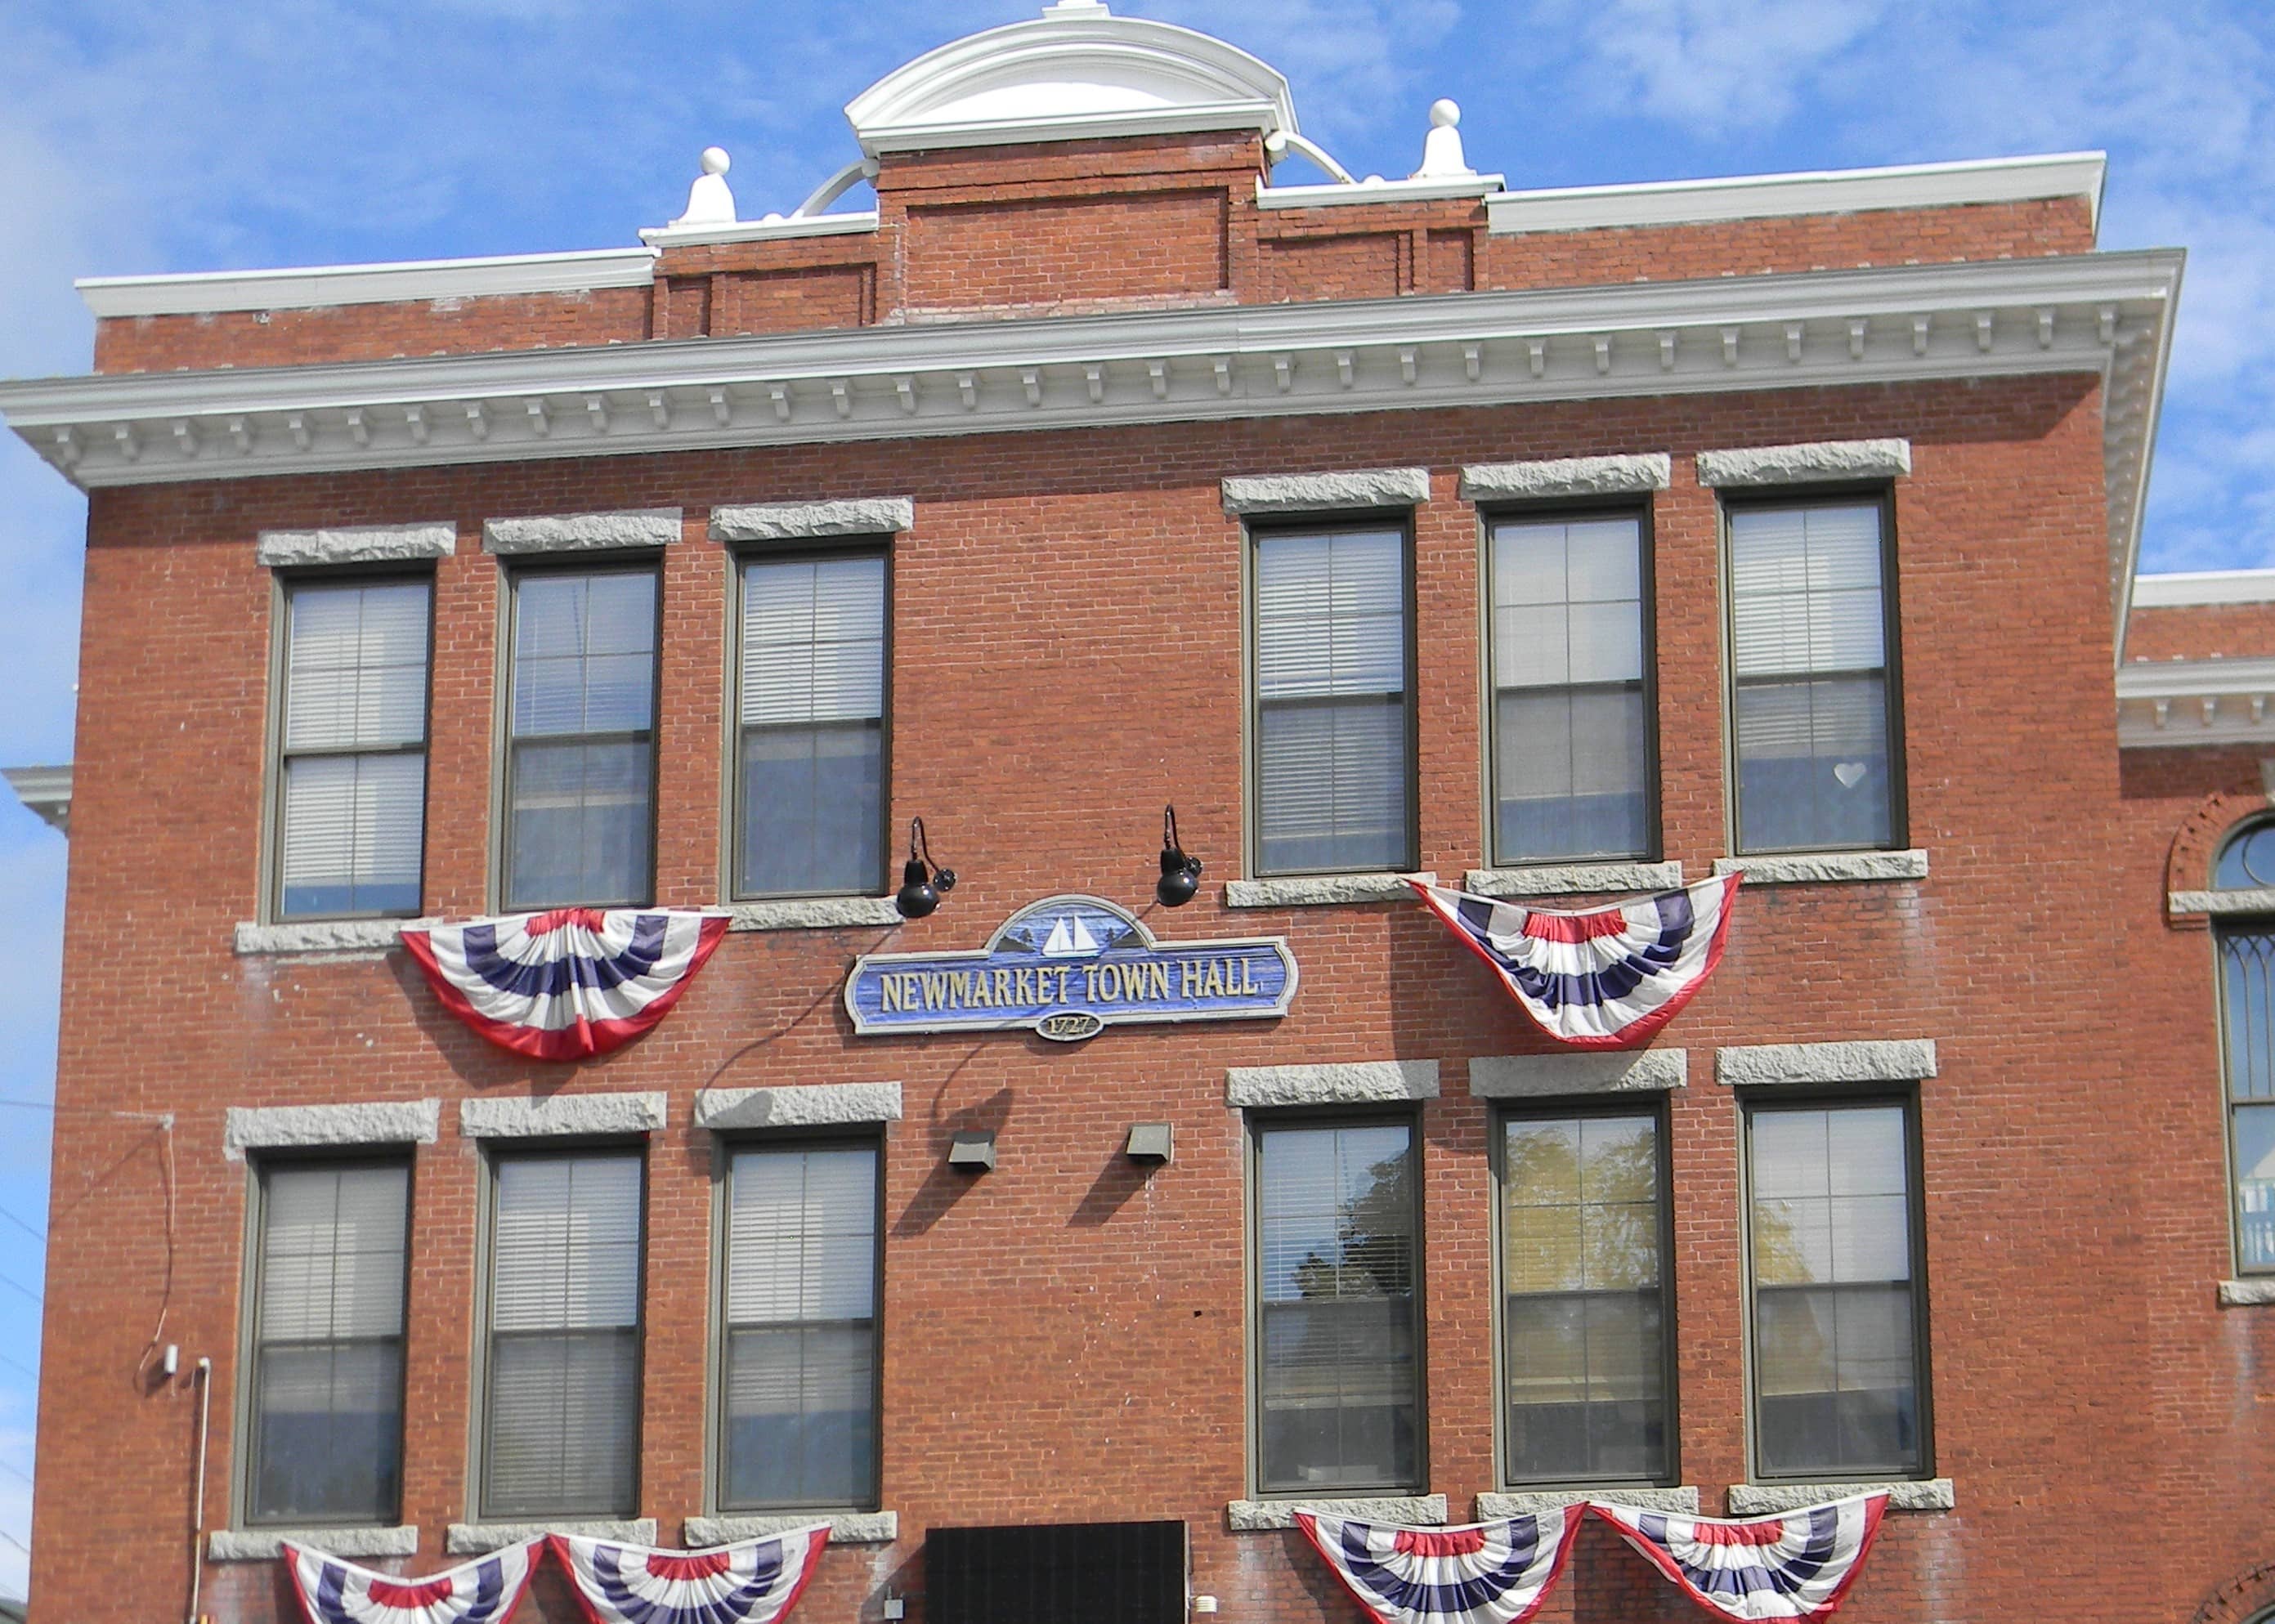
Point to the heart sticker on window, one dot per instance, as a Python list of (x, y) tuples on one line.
[(1850, 773)]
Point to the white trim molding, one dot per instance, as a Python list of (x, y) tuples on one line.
[(1797, 465), (2180, 589), (1758, 1065), (1825, 867), (358, 544), (260, 1544), (481, 1538), (364, 938), (315, 287), (1415, 1510), (1249, 495), (1417, 189), (813, 913), (582, 532), (2255, 1293), (398, 1121), (846, 1528), (1610, 1071), (45, 791), (1811, 192), (1755, 1499), (1349, 1083), (2176, 704), (797, 521), (1322, 890), (771, 228), (1567, 879), (1568, 476), (1531, 1502), (561, 1114), (2254, 899), (797, 1105)]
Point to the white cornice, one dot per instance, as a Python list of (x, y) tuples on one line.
[(773, 229), (2104, 313), (2200, 588), (45, 791), (1816, 192), (2179, 704), (316, 286), (1339, 193)]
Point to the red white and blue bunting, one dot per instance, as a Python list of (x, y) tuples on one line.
[(569, 984), (487, 1591), (1793, 1564), (1487, 1573), (1605, 979), (755, 1581)]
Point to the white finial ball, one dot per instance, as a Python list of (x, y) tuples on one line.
[(1445, 113), (715, 160)]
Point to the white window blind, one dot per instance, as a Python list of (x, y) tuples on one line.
[(1336, 1381), (800, 1422), (1571, 757), (579, 828), (1808, 631), (813, 697), (562, 1417), (354, 733), (1334, 750), (328, 1372)]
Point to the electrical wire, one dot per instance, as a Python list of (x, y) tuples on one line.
[(37, 1234), (12, 1366), (166, 1292), (26, 1291)]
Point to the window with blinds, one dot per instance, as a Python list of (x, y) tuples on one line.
[(1586, 1348), (811, 814), (580, 771), (2247, 975), (1814, 711), (561, 1411), (1334, 753), (1838, 1333), (325, 1435), (799, 1365), (1337, 1383), (1571, 729), (352, 781)]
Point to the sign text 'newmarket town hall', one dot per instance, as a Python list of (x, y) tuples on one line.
[(1069, 967)]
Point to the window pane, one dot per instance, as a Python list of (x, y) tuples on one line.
[(2247, 861), (2247, 963), (328, 1360), (583, 654), (1809, 647), (581, 824), (1836, 1386), (1813, 764), (355, 667), (561, 1419), (1334, 783), (353, 828), (813, 808), (1585, 1352), (1570, 750), (1335, 1243), (2254, 1186), (1333, 748)]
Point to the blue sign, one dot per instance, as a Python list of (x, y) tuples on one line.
[(1068, 968)]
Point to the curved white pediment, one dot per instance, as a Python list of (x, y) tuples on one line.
[(1078, 70)]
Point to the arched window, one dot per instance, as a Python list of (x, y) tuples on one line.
[(2247, 995)]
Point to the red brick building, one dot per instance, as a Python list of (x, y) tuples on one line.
[(1563, 545)]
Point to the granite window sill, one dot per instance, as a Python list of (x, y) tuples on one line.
[(846, 1528), (1820, 867), (812, 913), (1532, 1502), (1569, 879), (481, 1538), (2253, 1293), (2252, 900), (260, 1544), (1321, 890), (1255, 1516), (1755, 1499), (362, 937)]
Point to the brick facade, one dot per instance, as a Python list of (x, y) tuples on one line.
[(1065, 1339)]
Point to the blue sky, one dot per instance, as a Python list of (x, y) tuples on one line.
[(200, 134)]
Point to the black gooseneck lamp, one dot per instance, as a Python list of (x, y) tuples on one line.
[(922, 880), (1181, 873)]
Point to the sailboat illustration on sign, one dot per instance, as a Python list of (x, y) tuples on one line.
[(1071, 939)]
